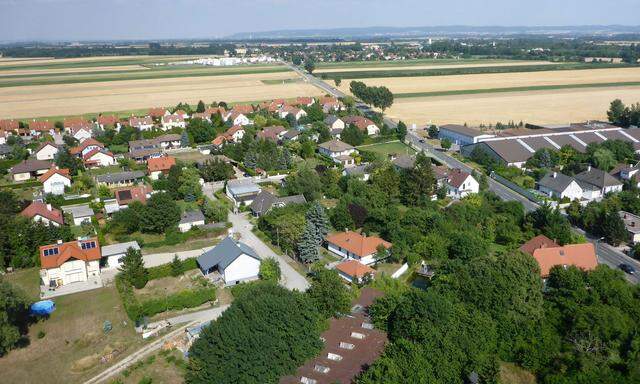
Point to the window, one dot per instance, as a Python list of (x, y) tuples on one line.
[(334, 357), (344, 345), (358, 335), (321, 368), (306, 380), (88, 245), (367, 325), (50, 252)]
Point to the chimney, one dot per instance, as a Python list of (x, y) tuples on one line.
[(59, 242), (48, 207)]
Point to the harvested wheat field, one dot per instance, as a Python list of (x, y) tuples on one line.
[(399, 85), (79, 98), (48, 71), (556, 106), (396, 67)]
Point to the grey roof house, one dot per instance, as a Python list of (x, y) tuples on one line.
[(190, 219), (120, 178), (558, 185), (242, 191), (599, 179), (112, 254), (265, 201), (233, 260)]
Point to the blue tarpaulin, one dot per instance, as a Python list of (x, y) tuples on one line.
[(42, 308)]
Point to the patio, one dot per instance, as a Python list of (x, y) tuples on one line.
[(94, 282)]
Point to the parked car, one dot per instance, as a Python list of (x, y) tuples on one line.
[(628, 269), (421, 141)]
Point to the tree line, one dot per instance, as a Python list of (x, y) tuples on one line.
[(379, 97)]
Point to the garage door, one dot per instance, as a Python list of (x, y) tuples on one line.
[(74, 277)]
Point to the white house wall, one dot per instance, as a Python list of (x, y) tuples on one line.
[(242, 268)]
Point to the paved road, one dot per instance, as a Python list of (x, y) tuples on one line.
[(290, 277)]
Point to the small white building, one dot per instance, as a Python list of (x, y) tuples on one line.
[(190, 219), (334, 122), (82, 134), (459, 184), (237, 118), (141, 123), (99, 158), (339, 151), (47, 151), (55, 180), (560, 186), (112, 254), (173, 121), (597, 183), (236, 262)]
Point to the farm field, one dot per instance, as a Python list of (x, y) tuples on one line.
[(435, 84), (420, 64), (103, 96), (551, 106)]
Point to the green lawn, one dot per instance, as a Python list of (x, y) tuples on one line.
[(26, 279), (73, 340), (385, 149)]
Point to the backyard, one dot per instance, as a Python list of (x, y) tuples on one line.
[(388, 148)]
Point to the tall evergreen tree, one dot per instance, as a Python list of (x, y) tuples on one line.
[(133, 269), (201, 107), (307, 246), (317, 216), (184, 139)]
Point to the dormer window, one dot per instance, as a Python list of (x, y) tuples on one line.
[(321, 368), (306, 380), (367, 325), (358, 335), (334, 357)]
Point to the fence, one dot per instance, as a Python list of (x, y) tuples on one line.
[(511, 185)]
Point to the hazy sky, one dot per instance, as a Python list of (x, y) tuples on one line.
[(149, 19)]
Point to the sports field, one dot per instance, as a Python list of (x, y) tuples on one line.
[(49, 87)]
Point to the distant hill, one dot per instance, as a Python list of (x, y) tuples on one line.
[(345, 33)]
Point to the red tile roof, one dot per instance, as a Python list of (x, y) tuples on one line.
[(107, 119), (582, 256), (157, 112), (160, 163), (41, 125), (242, 108), (54, 170), (218, 141), (70, 250), (127, 195), (9, 125), (361, 122), (356, 243), (94, 151), (354, 269), (88, 142), (540, 241), (37, 208), (457, 177)]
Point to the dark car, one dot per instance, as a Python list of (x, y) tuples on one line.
[(628, 269), (421, 140)]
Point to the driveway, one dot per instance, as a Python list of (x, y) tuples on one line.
[(290, 277), (155, 259)]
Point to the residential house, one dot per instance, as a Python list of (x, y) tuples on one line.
[(363, 124), (190, 219), (627, 172), (596, 183), (201, 116), (173, 121), (265, 201), (42, 126), (141, 123), (55, 180), (112, 254), (236, 118), (291, 135), (351, 344), (361, 172), (169, 141), (143, 150), (235, 261), (560, 186), (334, 123), (46, 151), (78, 127), (355, 272), (548, 254), (458, 183), (333, 106), (4, 135), (120, 178), (233, 135), (108, 121), (182, 113), (273, 133), (291, 110), (339, 151), (355, 246), (242, 191), (98, 158), (66, 263), (305, 101), (157, 113), (81, 213), (44, 213), (461, 135), (9, 125), (632, 225), (29, 168), (244, 109), (85, 147), (127, 195), (160, 166)]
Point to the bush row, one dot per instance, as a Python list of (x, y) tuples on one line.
[(165, 270)]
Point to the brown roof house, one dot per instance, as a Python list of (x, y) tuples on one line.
[(55, 180), (44, 213), (363, 124), (160, 165), (355, 246), (29, 168), (354, 271), (72, 262), (548, 254)]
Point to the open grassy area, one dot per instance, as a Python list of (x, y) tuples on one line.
[(385, 149), (73, 341), (165, 286), (512, 374), (26, 279), (164, 367)]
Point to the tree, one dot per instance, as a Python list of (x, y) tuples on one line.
[(418, 183), (612, 228), (329, 293), (307, 246), (603, 159), (401, 130), (296, 60), (618, 113), (190, 186), (176, 266), (352, 135), (201, 131), (215, 211), (64, 159), (382, 98), (445, 143), (433, 131), (201, 107), (551, 223), (173, 181), (266, 333), (160, 214), (337, 81), (133, 270), (184, 139), (309, 64), (14, 313), (317, 216), (305, 181), (216, 170), (270, 270)]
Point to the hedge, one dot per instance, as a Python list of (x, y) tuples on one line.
[(181, 300), (164, 270), (26, 184)]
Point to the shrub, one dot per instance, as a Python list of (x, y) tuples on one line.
[(41, 334), (165, 269)]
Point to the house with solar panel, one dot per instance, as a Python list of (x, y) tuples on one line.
[(71, 262), (232, 261)]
